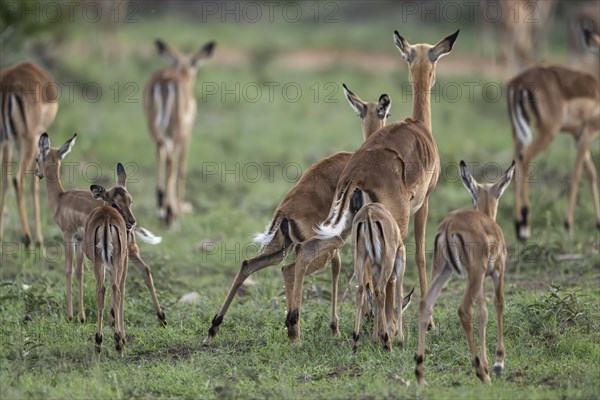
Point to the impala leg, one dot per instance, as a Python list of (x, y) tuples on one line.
[(397, 308), (35, 195), (79, 272), (582, 149), (310, 255), (380, 295), (171, 203), (420, 231), (69, 244), (161, 179), (115, 309), (6, 166), (590, 169), (540, 142), (248, 268), (498, 279), (288, 283), (482, 316), (27, 156), (465, 312), (100, 298), (121, 304), (181, 172), (360, 298), (336, 264), (134, 254), (442, 275)]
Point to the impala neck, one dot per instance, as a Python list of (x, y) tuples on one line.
[(422, 103), (53, 186)]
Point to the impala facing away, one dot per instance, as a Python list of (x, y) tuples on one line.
[(71, 208), (105, 245), (470, 243), (379, 266), (170, 109), (28, 105), (301, 209), (397, 166), (552, 99)]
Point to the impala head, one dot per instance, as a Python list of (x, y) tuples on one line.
[(51, 157), (485, 196), (117, 197), (187, 64), (422, 58), (373, 115)]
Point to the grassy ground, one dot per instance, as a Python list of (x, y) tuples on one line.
[(551, 332)]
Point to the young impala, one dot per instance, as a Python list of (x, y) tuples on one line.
[(379, 267), (471, 244), (28, 105), (398, 167), (105, 245), (301, 209), (70, 209), (170, 109)]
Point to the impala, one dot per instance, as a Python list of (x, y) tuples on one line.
[(28, 105), (301, 209), (552, 99), (170, 109), (105, 245), (71, 208), (583, 22), (397, 166), (379, 260), (471, 244)]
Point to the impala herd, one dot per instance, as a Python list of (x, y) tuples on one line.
[(369, 194)]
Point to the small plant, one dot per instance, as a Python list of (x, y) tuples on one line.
[(561, 306)]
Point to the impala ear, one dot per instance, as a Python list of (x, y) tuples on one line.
[(356, 103), (383, 106), (468, 180), (499, 188), (98, 192), (166, 52), (203, 54), (443, 47), (403, 46), (121, 175), (44, 144), (66, 147)]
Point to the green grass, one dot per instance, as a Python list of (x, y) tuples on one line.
[(551, 333)]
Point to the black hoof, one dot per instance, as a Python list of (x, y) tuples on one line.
[(26, 240), (162, 318)]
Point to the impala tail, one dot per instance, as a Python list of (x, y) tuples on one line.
[(11, 107), (104, 242), (163, 96), (349, 201), (147, 236), (518, 97), (265, 238)]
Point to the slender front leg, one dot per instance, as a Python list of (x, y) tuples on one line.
[(360, 299), (147, 274), (582, 149), (336, 264), (248, 268), (399, 268), (6, 165), (590, 169), (420, 231), (288, 284), (69, 244), (27, 156), (498, 279), (35, 195), (79, 272)]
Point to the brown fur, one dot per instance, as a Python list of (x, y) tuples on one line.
[(35, 106), (585, 17), (105, 244), (172, 136), (71, 209), (471, 243), (558, 99), (398, 165), (301, 209)]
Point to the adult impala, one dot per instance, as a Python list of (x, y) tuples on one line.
[(397, 166), (552, 99), (301, 209), (170, 109), (28, 105), (71, 208), (471, 244)]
